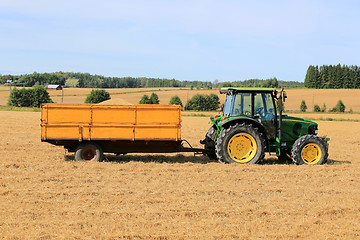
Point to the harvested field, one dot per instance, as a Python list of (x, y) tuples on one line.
[(350, 97), (46, 196)]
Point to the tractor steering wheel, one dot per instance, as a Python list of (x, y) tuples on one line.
[(247, 113), (259, 111)]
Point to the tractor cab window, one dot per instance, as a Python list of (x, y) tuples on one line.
[(264, 106), (242, 105), (228, 104)]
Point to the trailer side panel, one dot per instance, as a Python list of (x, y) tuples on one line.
[(90, 122)]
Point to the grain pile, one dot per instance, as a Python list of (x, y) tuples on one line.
[(46, 196)]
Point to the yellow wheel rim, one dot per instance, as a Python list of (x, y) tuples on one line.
[(311, 154), (242, 147)]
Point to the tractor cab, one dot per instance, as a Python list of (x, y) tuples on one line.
[(257, 104)]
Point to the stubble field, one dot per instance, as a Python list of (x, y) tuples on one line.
[(329, 97), (44, 195)]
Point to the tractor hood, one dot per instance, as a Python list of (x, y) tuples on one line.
[(294, 127), (299, 120)]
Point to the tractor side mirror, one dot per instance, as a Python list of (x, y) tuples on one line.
[(284, 96)]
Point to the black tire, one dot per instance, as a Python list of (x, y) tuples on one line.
[(309, 149), (89, 152), (209, 142), (240, 143)]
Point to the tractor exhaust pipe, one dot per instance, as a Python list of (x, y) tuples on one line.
[(281, 98)]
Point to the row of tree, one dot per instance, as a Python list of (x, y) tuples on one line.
[(86, 80), (326, 76), (331, 76), (198, 102), (340, 107), (267, 83)]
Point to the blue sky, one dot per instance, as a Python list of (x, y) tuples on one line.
[(201, 40)]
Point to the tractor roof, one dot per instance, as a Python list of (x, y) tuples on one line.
[(246, 89)]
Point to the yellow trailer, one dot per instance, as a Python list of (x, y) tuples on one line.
[(90, 129)]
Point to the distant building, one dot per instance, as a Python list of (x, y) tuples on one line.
[(54, 87), (8, 82)]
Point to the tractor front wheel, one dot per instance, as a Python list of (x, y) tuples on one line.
[(89, 152), (310, 150), (240, 143)]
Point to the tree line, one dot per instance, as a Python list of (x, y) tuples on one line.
[(267, 83), (331, 76), (87, 80)]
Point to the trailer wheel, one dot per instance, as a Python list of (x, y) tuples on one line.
[(240, 143), (310, 150), (88, 152)]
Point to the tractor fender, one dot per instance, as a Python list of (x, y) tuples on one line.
[(247, 120)]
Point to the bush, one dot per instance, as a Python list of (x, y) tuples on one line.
[(340, 107), (154, 99), (175, 100), (323, 109), (213, 102), (144, 100), (317, 108), (97, 96), (32, 97), (203, 103), (303, 106)]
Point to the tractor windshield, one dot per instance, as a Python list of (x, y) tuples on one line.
[(228, 104), (239, 104)]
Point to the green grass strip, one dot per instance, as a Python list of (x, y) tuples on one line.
[(334, 119), (19, 109)]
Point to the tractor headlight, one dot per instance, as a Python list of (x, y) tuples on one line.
[(313, 130)]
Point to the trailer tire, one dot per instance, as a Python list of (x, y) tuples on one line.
[(310, 150), (89, 152), (240, 143)]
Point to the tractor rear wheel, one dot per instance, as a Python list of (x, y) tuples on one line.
[(240, 143), (209, 142), (88, 152), (310, 150)]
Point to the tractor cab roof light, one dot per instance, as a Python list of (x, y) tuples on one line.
[(215, 116)]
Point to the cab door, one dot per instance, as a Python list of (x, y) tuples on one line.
[(264, 112)]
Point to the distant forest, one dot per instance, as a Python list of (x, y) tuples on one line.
[(86, 80), (331, 76), (268, 83)]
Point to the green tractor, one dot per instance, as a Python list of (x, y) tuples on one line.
[(252, 123)]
